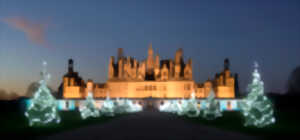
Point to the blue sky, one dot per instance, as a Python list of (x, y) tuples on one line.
[(91, 31)]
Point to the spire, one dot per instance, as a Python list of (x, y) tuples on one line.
[(120, 53), (70, 66), (150, 49), (226, 64), (178, 56), (157, 61), (150, 60)]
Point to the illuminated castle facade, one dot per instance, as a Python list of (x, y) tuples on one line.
[(150, 78)]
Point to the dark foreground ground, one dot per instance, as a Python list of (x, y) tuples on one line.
[(148, 125)]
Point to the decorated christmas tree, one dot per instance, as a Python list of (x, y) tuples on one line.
[(191, 109), (132, 107), (170, 106), (137, 107), (120, 106), (256, 107), (89, 109), (43, 107), (174, 106), (128, 106), (181, 107), (108, 107), (212, 108)]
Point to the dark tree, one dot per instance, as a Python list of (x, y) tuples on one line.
[(294, 81), (4, 95), (33, 87)]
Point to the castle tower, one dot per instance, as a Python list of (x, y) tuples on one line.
[(120, 53), (120, 68), (150, 61), (157, 67), (188, 72), (111, 69), (141, 71), (178, 63), (164, 73), (127, 68), (178, 56), (157, 61), (134, 69)]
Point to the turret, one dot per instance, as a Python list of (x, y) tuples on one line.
[(178, 56), (111, 69), (178, 64), (188, 72), (141, 70), (134, 69), (157, 61), (226, 64), (70, 66), (157, 67), (164, 73), (120, 53), (120, 68), (150, 61), (127, 68)]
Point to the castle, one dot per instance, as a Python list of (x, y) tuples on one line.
[(151, 78)]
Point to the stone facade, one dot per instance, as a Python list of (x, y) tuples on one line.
[(150, 78)]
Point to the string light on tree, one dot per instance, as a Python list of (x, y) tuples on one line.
[(171, 106), (256, 107), (191, 109), (120, 106), (42, 109), (89, 109), (108, 107), (212, 107)]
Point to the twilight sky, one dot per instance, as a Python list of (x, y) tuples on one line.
[(90, 31)]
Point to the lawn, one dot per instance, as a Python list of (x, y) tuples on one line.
[(14, 124), (287, 123)]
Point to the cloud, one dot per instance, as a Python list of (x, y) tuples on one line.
[(35, 32)]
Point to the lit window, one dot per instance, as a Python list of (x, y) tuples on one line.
[(154, 87)]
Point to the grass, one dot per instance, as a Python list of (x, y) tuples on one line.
[(15, 124), (287, 123)]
